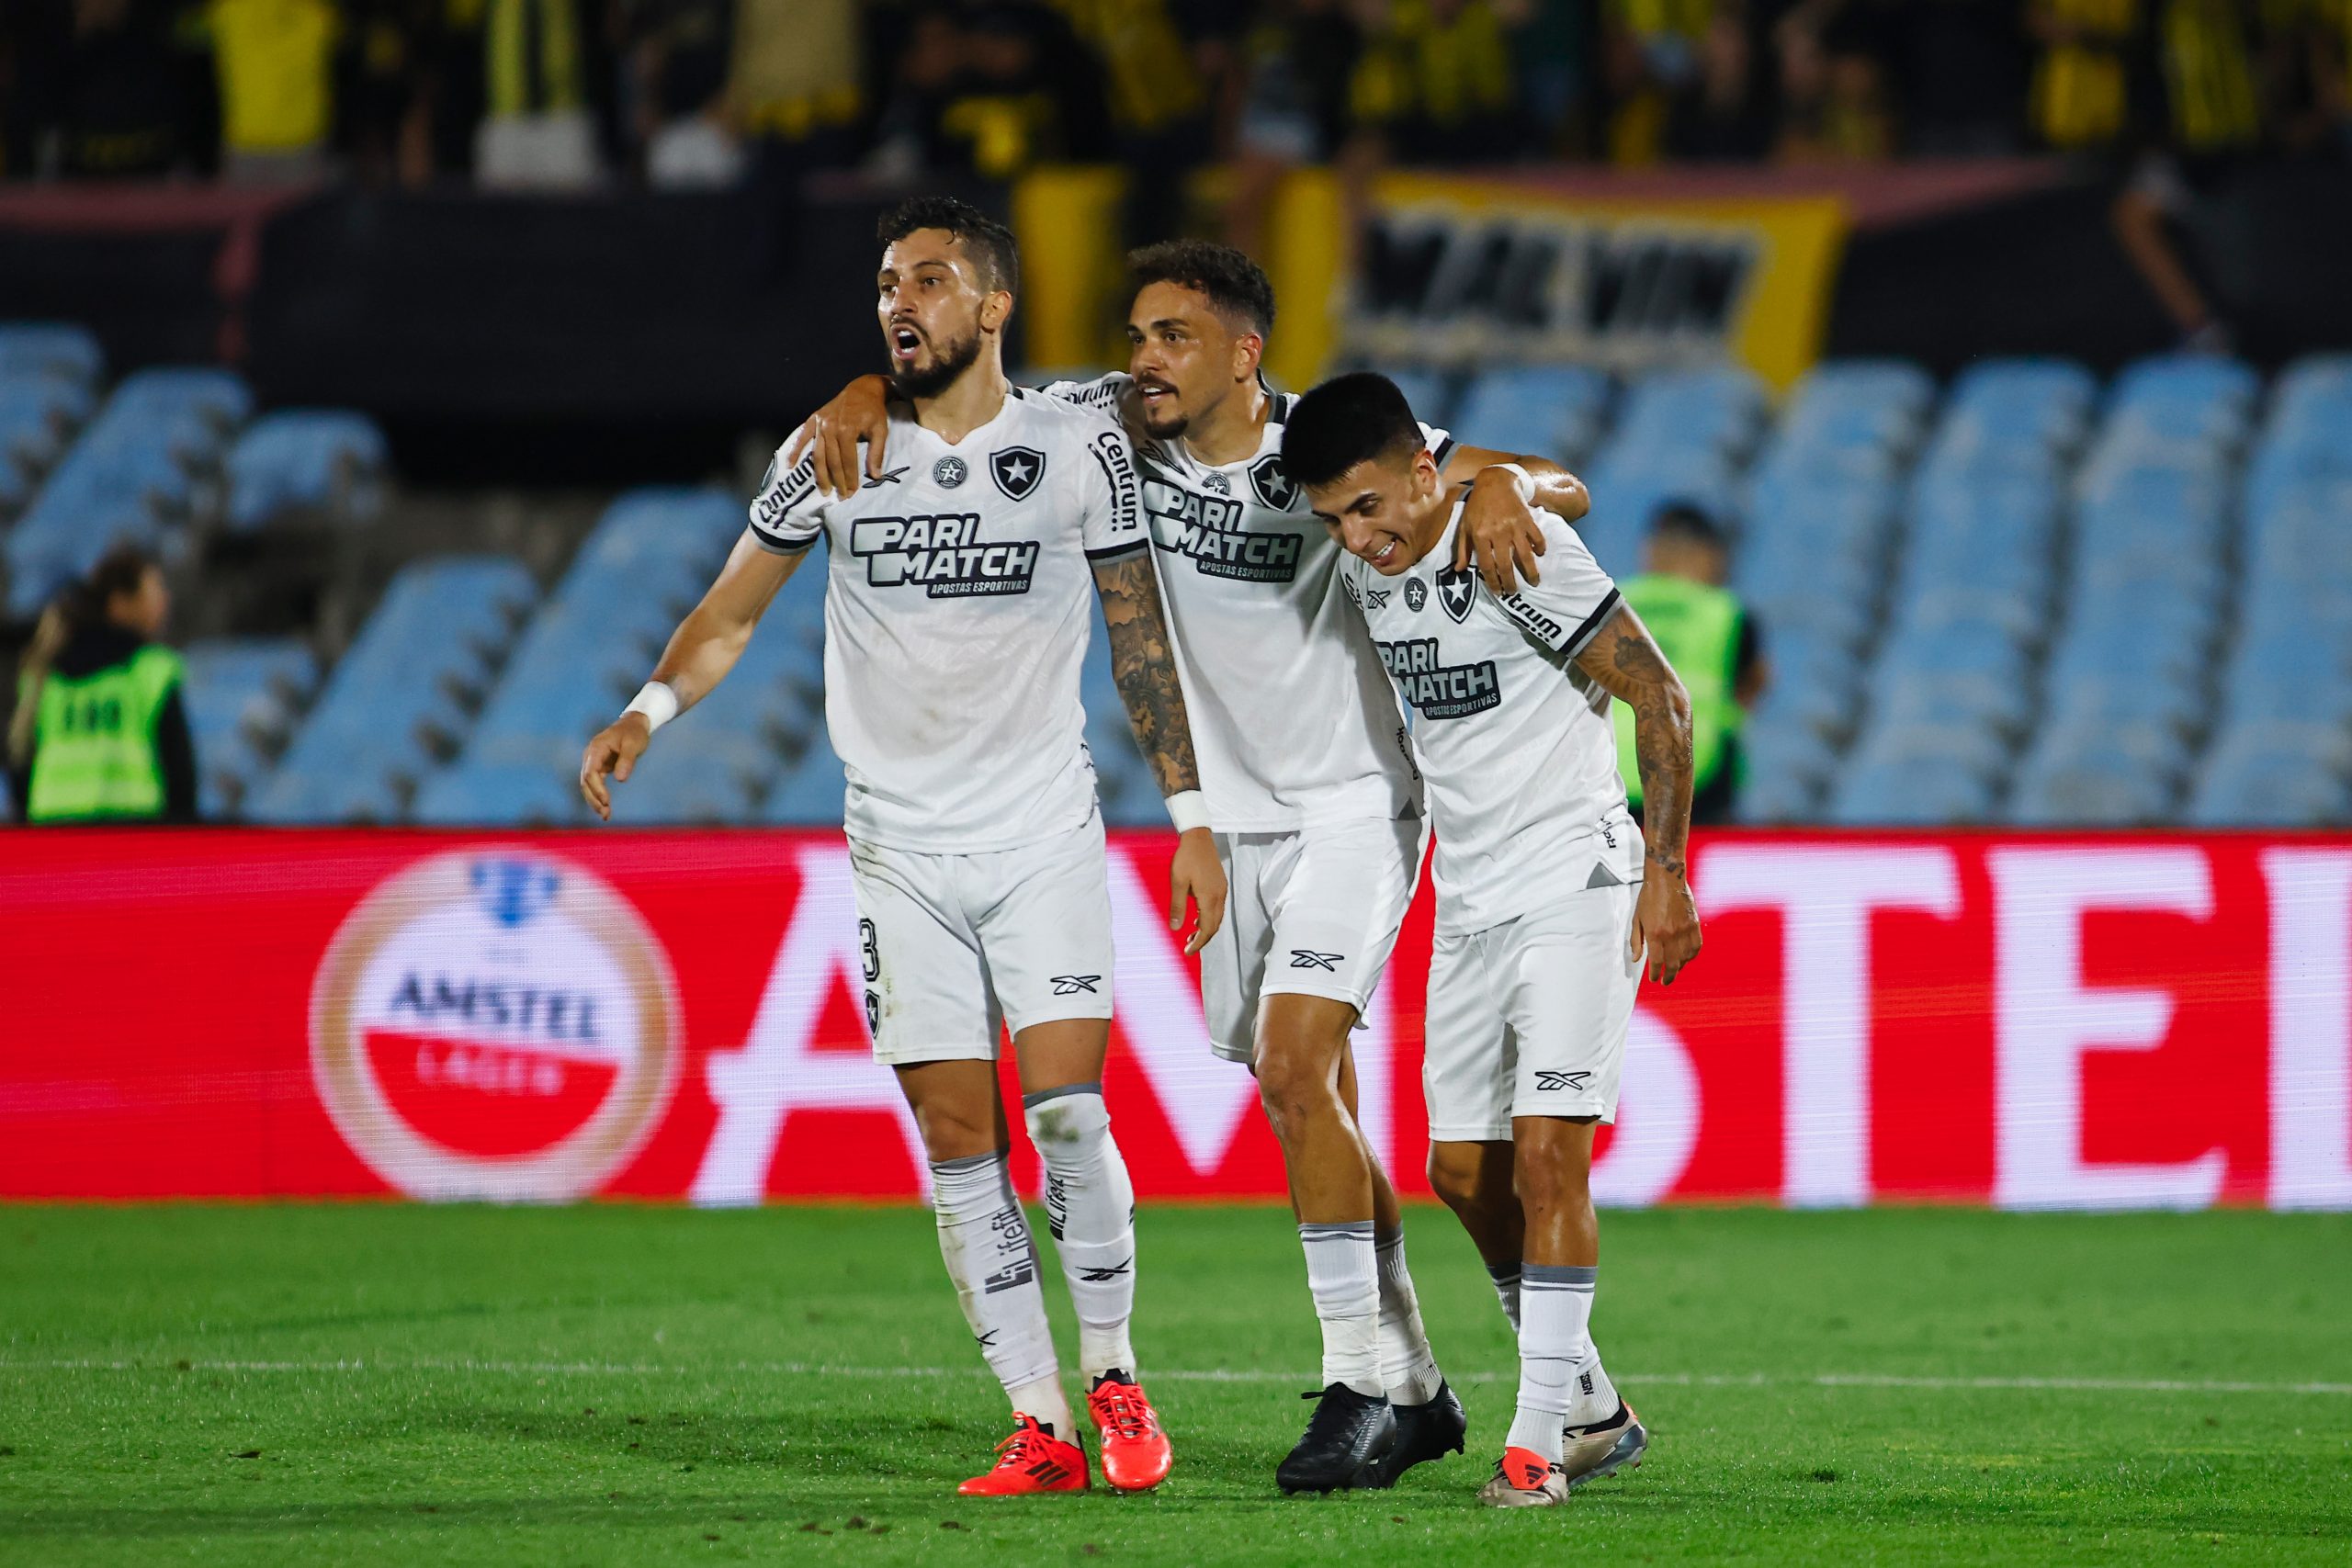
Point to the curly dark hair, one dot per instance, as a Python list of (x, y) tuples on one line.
[(989, 243), (1233, 283)]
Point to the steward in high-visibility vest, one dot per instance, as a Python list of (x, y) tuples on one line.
[(1710, 638), (100, 733)]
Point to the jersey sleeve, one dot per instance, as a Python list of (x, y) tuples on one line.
[(1104, 394), (1440, 443), (1112, 521), (1575, 600), (790, 511)]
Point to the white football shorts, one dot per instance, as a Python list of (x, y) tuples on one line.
[(1311, 913), (955, 946), (1529, 1018)]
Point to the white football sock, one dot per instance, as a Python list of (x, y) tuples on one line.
[(1344, 1276), (985, 1240), (1506, 1278), (1407, 1365), (1555, 1357), (1091, 1206)]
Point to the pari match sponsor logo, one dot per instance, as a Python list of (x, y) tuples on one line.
[(943, 555), (1435, 689), (1209, 531), (495, 1025)]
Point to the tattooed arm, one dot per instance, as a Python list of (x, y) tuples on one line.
[(1623, 660), (1143, 663)]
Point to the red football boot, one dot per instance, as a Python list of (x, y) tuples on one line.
[(1031, 1459), (1135, 1455)]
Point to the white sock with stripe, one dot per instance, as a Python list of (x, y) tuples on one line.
[(1558, 1368), (1407, 1365), (1344, 1276), (985, 1240), (1506, 1278)]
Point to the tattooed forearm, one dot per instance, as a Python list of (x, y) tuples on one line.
[(1143, 662), (1624, 662)]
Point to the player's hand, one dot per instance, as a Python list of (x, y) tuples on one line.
[(1198, 876), (1665, 923), (1499, 532), (859, 412), (615, 751)]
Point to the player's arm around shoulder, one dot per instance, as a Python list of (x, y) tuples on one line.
[(1498, 531), (859, 412), (700, 653), (1623, 659)]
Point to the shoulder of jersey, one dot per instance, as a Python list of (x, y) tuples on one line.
[(1080, 420)]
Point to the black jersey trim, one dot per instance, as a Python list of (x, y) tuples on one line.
[(786, 546), (1445, 450), (1592, 623), (1112, 552)]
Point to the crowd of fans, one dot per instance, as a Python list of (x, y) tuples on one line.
[(700, 92)]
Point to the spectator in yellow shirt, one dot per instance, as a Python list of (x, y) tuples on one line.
[(275, 60)]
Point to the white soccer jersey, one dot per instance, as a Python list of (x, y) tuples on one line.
[(1292, 722), (959, 599), (1515, 744)]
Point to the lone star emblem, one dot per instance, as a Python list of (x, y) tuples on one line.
[(1271, 483), (1017, 470)]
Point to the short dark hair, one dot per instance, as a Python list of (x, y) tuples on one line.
[(1233, 283), (989, 243), (1348, 420), (1686, 520)]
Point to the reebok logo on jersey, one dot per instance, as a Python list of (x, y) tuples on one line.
[(1436, 690), (1070, 984), (1017, 470), (1376, 598), (1548, 1081), (1208, 530), (891, 477), (1273, 486), (944, 555), (1307, 958), (1456, 590)]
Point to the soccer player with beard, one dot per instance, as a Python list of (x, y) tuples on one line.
[(1549, 901), (1310, 787), (956, 623)]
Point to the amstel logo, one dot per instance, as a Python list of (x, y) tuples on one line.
[(494, 1024)]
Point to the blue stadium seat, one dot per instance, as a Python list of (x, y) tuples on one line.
[(52, 348), (514, 794), (316, 461), (810, 791), (2275, 773), (1553, 411)]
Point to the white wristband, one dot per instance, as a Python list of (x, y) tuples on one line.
[(657, 701), (1519, 477), (1188, 808)]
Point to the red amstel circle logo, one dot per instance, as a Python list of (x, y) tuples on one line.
[(497, 1025)]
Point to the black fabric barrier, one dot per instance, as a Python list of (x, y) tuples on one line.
[(2043, 273)]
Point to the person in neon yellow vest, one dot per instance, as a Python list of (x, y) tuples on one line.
[(100, 733), (1713, 642)]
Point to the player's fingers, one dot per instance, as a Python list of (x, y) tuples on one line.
[(1180, 888), (622, 769), (838, 466), (1461, 548), (877, 441), (1212, 918), (1526, 558), (800, 439)]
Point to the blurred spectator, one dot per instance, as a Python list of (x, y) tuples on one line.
[(100, 732), (538, 133), (796, 83), (1435, 83), (2082, 79), (383, 84), (1724, 113), (1159, 79), (1652, 50), (119, 97), (1298, 65), (1712, 641), (676, 54), (1552, 44), (991, 90), (1833, 87), (275, 60)]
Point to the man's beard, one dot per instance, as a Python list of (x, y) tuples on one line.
[(951, 360), (1167, 426)]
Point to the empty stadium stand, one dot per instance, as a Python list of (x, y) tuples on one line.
[(2022, 597)]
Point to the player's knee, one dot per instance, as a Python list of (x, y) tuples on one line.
[(1472, 1179), (1065, 1126), (1294, 1089), (1551, 1165), (950, 1131)]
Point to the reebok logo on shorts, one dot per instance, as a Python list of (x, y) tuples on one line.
[(1070, 984), (1307, 958), (1546, 1081)]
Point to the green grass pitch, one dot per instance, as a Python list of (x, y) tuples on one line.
[(383, 1384)]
